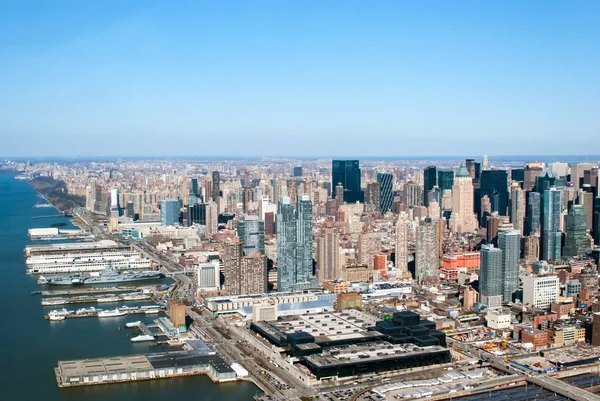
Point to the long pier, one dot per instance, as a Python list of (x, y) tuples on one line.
[(85, 299), (97, 290), (94, 313)]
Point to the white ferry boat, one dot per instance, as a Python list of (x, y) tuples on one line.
[(130, 325), (111, 313), (143, 337), (59, 314)]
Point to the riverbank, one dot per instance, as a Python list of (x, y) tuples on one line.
[(55, 192)]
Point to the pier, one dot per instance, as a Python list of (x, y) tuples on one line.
[(85, 299), (99, 290), (71, 314), (200, 359)]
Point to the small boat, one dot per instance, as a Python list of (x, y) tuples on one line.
[(137, 323), (143, 337)]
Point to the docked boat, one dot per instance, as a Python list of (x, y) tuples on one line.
[(142, 337), (130, 325), (135, 297), (59, 314), (111, 313), (87, 311), (51, 301)]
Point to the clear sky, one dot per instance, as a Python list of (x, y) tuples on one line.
[(326, 78)]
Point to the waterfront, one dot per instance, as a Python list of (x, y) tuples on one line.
[(32, 346)]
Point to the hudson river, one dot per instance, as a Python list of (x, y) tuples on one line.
[(31, 346)]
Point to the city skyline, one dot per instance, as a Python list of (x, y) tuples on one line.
[(87, 80)]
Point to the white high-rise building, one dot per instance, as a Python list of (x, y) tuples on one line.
[(402, 244), (540, 292), (208, 276), (463, 218), (265, 206)]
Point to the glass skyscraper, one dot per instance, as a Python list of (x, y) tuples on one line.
[(169, 212), (386, 198), (294, 245), (251, 231), (445, 180), (347, 172), (491, 278), (509, 243), (494, 184), (576, 242), (551, 234)]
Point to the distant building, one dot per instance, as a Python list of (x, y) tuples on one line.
[(445, 180), (349, 300), (426, 255), (298, 171), (541, 291), (509, 243), (385, 181), (494, 184), (551, 233), (490, 276), (576, 241), (251, 231), (177, 313), (347, 172), (463, 218), (216, 185), (402, 244), (328, 245), (169, 212)]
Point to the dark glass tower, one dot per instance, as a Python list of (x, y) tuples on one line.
[(429, 182), (195, 186), (251, 231), (576, 243), (386, 198), (347, 172), (532, 215), (445, 180), (216, 185), (494, 184)]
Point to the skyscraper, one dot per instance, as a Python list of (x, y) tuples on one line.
[(216, 185), (232, 266), (551, 233), (251, 231), (445, 180), (426, 254), (490, 276), (509, 243), (368, 246), (328, 245), (429, 181), (169, 212), (385, 181), (294, 244), (298, 171), (195, 190), (373, 194), (517, 209), (463, 218), (402, 244), (531, 171), (533, 215), (347, 172), (413, 195), (253, 274), (576, 242), (196, 214), (494, 184)]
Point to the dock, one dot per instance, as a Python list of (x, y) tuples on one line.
[(94, 312), (77, 291), (86, 299), (200, 359)]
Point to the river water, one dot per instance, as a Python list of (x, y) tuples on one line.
[(31, 346)]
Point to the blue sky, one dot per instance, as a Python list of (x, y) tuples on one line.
[(330, 78)]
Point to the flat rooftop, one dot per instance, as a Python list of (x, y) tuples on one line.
[(104, 366), (375, 351), (328, 324), (572, 354)]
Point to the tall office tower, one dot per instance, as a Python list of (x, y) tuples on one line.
[(369, 245), (490, 276), (429, 181), (286, 245), (470, 167), (206, 190), (531, 248), (270, 223), (434, 211), (196, 214), (304, 243), (212, 218), (265, 206), (402, 244), (413, 195), (576, 241), (517, 208), (169, 212), (347, 172), (247, 199), (195, 189), (485, 164), (596, 222), (426, 254), (298, 171), (373, 194), (253, 278), (517, 174), (251, 231), (558, 169), (447, 200), (586, 199), (445, 180), (577, 173), (292, 191), (543, 182), (328, 245), (533, 215), (463, 218), (114, 198), (531, 172), (386, 181), (129, 209), (339, 194), (276, 190), (509, 243), (216, 185), (494, 183), (232, 266), (551, 234)]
